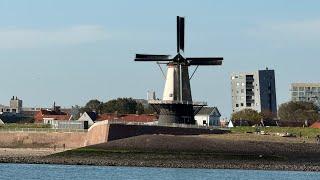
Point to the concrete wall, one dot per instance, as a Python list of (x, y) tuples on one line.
[(42, 139), (97, 133)]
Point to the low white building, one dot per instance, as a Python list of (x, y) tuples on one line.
[(208, 116), (88, 116)]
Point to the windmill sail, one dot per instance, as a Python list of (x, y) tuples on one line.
[(205, 61), (180, 34), (151, 57)]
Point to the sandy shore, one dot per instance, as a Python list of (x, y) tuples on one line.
[(228, 151), (27, 152)]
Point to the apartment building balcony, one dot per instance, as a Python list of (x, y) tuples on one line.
[(249, 100), (249, 86), (249, 93)]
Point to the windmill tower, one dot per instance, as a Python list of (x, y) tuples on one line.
[(177, 105)]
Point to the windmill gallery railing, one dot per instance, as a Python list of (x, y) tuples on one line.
[(177, 102)]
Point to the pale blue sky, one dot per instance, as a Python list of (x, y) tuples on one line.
[(72, 51)]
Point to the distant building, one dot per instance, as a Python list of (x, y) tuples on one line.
[(14, 112), (15, 106), (30, 111), (208, 116), (151, 95), (307, 92), (254, 90), (48, 115)]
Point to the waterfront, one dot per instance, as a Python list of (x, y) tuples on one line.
[(44, 171)]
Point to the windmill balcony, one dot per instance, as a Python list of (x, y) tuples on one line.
[(177, 102)]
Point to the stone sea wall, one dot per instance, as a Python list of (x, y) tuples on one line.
[(100, 132)]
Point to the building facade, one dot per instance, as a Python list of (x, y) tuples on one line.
[(307, 92), (208, 116), (15, 106), (254, 90)]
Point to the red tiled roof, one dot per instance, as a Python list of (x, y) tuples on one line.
[(128, 117), (39, 115), (139, 118), (102, 117), (316, 125)]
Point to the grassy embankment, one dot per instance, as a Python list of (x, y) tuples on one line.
[(156, 155), (304, 132)]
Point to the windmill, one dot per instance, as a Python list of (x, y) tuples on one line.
[(177, 105)]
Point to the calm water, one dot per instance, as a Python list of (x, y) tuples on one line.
[(32, 171)]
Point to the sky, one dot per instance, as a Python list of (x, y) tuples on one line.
[(73, 51)]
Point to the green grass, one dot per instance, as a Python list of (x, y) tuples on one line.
[(305, 132), (26, 125)]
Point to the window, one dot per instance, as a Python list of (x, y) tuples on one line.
[(232, 77), (237, 105), (241, 104), (242, 84), (238, 84), (242, 90)]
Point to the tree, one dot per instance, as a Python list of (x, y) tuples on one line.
[(122, 106), (93, 105), (247, 114), (298, 111), (267, 115), (75, 112), (149, 110)]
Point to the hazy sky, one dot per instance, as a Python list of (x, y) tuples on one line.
[(72, 51)]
